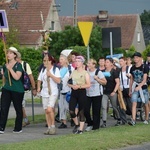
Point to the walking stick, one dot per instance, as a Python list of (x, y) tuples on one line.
[(4, 44)]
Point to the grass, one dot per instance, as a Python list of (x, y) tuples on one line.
[(103, 139)]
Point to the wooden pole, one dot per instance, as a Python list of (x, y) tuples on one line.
[(4, 44)]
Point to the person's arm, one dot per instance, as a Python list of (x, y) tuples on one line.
[(16, 75), (39, 86), (131, 83), (32, 84)]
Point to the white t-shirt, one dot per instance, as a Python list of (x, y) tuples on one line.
[(125, 80), (28, 68), (53, 85), (95, 88), (65, 87)]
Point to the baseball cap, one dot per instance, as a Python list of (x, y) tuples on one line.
[(138, 54)]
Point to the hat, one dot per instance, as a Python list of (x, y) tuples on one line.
[(14, 50), (115, 59), (148, 54), (66, 52), (137, 54), (81, 58)]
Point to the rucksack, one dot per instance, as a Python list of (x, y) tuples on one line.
[(100, 86), (26, 79)]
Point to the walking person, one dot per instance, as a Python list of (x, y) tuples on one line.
[(49, 77), (110, 91), (80, 81), (12, 91), (138, 89), (94, 96), (65, 71), (26, 67), (124, 85)]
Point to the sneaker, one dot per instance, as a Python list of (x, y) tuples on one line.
[(1, 131), (145, 122), (75, 128), (52, 131), (78, 132), (47, 132), (131, 122), (62, 126), (103, 125), (88, 128), (118, 123), (57, 119), (72, 123), (17, 131), (25, 124)]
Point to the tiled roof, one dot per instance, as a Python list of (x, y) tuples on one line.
[(27, 17), (126, 22)]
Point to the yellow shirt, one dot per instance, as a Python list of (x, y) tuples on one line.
[(79, 77)]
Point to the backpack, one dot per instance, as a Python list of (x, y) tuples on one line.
[(26, 79), (100, 86)]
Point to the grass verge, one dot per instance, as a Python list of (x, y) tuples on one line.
[(103, 139)]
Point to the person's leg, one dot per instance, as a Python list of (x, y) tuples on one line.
[(146, 96), (17, 99), (96, 105), (5, 104), (87, 111), (104, 109), (63, 108)]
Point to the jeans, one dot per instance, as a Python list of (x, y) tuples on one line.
[(136, 96)]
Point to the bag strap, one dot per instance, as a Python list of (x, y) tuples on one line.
[(24, 66), (69, 69), (127, 68)]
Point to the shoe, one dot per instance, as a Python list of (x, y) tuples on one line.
[(103, 125), (72, 123), (88, 128), (25, 124), (1, 131), (47, 132), (131, 122), (57, 119), (62, 126), (46, 125), (16, 131), (145, 122), (52, 131), (75, 128), (118, 123), (78, 132)]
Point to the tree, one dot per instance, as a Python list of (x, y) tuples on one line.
[(145, 18)]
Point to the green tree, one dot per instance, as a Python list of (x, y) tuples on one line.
[(145, 17)]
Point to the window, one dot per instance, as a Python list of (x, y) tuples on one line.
[(138, 37), (52, 25)]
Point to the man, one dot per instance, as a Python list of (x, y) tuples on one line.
[(138, 89), (29, 72), (101, 63)]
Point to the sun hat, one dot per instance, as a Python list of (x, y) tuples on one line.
[(66, 52), (14, 50)]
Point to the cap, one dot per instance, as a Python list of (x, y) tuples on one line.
[(14, 50), (81, 58), (138, 54), (66, 52), (115, 59)]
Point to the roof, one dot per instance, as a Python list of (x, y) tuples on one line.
[(126, 22), (27, 17)]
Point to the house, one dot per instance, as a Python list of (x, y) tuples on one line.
[(31, 18), (131, 29)]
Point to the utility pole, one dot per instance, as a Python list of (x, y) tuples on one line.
[(75, 13)]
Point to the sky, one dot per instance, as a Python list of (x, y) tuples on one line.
[(92, 7)]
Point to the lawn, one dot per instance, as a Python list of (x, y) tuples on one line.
[(103, 139)]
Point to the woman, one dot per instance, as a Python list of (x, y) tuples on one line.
[(49, 77), (65, 72), (12, 90), (94, 96), (80, 81), (110, 92)]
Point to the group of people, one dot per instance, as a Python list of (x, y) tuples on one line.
[(91, 87)]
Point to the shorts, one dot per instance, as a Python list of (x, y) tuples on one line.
[(136, 96), (49, 101)]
